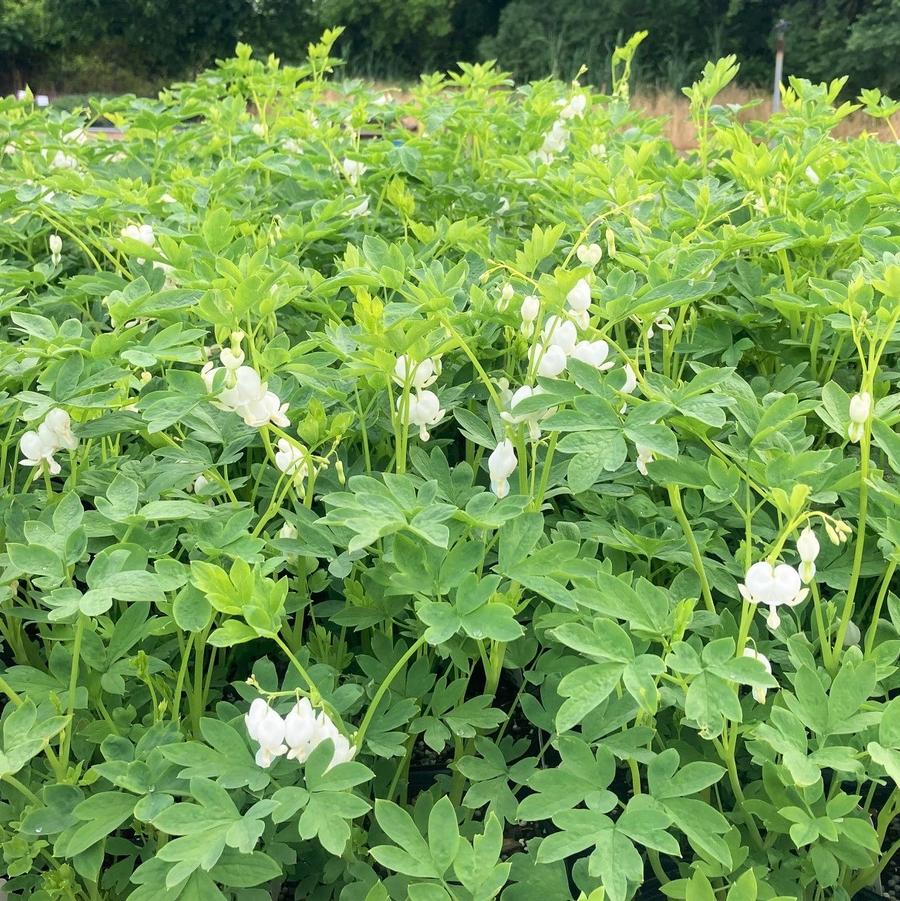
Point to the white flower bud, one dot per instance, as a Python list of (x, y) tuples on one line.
[(860, 411), (589, 254), (501, 465), (808, 545), (55, 244), (611, 242), (759, 694), (531, 308), (579, 298), (645, 455)]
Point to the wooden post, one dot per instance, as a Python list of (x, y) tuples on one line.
[(780, 28)]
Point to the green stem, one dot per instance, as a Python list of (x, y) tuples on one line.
[(879, 601), (315, 694), (727, 751), (474, 361), (23, 789), (696, 557), (179, 682), (865, 447), (73, 685), (382, 689)]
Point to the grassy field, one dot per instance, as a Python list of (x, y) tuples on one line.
[(680, 129)]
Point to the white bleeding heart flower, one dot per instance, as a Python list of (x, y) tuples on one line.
[(550, 360), (808, 549), (291, 459), (38, 450), (554, 141), (288, 530), (267, 728), (645, 455), (199, 483), (759, 694), (531, 419), (630, 384), (593, 353), (860, 411), (305, 730), (361, 209), (342, 750), (579, 298), (773, 586), (301, 731), (560, 333), (59, 424), (63, 161), (54, 434), (663, 321), (507, 292), (574, 108), (55, 244), (501, 465), (529, 311), (264, 410), (243, 386), (424, 411), (247, 395), (417, 375), (812, 175), (531, 308), (589, 254), (231, 360), (207, 373), (142, 233), (353, 170)]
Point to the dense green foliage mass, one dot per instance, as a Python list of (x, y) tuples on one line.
[(105, 44), (507, 509)]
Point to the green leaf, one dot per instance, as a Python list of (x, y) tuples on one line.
[(231, 632), (103, 813), (518, 538), (443, 834), (585, 689), (699, 888)]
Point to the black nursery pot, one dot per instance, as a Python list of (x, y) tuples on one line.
[(421, 778), (867, 894)]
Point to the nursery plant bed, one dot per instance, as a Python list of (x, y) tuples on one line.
[(530, 440)]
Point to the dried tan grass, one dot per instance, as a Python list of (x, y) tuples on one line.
[(680, 130)]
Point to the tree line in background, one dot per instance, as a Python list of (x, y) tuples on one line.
[(138, 45)]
